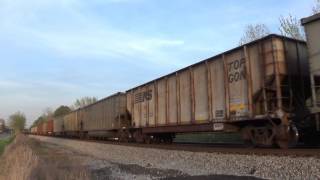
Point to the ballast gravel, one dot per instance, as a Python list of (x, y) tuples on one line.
[(152, 163)]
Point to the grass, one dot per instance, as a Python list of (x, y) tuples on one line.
[(4, 143)]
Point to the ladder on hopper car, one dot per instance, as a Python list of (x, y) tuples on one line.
[(292, 96), (270, 88), (270, 98)]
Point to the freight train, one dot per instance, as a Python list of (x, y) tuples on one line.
[(267, 90)]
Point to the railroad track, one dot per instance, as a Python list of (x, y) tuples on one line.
[(299, 151)]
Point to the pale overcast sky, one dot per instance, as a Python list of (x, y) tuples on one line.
[(54, 51)]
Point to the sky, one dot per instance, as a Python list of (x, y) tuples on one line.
[(55, 51)]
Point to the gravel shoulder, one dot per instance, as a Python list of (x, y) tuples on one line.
[(107, 161)]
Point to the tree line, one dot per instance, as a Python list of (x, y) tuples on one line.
[(17, 121), (63, 109)]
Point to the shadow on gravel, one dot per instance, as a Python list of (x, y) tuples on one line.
[(105, 173), (135, 169), (210, 177)]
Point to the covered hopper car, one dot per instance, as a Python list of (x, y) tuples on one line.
[(44, 128), (255, 88), (312, 29), (33, 130), (49, 127), (40, 129), (103, 119), (58, 126)]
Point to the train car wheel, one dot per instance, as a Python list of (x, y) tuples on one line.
[(168, 139), (123, 135), (287, 136), (138, 136), (246, 133), (147, 139), (258, 136)]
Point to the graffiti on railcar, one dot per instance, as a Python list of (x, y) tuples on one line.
[(236, 70), (143, 96)]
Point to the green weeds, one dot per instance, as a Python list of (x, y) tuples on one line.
[(5, 142)]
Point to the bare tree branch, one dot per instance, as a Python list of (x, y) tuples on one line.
[(316, 7), (84, 102), (290, 27), (47, 112), (254, 32)]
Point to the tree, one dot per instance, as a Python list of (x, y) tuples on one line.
[(85, 101), (62, 110), (290, 27), (47, 113), (2, 125), (39, 120), (254, 32), (17, 121), (316, 7)]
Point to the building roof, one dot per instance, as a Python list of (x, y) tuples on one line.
[(310, 19)]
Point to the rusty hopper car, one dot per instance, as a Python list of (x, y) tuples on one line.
[(50, 127), (40, 129), (312, 28), (44, 128), (33, 130), (254, 88)]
